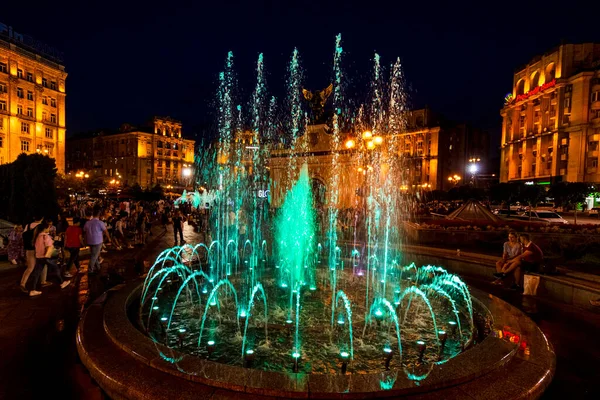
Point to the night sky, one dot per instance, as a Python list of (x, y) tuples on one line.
[(130, 60)]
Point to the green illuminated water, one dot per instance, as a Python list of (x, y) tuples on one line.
[(290, 284)]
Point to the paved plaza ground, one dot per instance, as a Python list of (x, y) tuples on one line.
[(39, 358)]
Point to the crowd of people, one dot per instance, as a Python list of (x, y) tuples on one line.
[(50, 247)]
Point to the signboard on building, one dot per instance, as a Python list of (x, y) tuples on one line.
[(8, 33)]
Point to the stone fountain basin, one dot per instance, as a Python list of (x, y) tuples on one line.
[(128, 364)]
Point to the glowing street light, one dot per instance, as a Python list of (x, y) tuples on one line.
[(473, 168), (350, 143), (378, 140), (367, 135)]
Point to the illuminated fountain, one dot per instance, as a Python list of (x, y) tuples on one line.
[(283, 293), (303, 292)]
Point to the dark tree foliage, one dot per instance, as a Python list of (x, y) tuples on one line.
[(28, 188)]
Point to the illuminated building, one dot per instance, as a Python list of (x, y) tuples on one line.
[(147, 155), (32, 98), (551, 119), (431, 150)]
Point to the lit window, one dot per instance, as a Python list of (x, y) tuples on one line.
[(30, 112), (1, 142), (53, 85), (20, 73), (44, 82), (25, 145), (24, 127), (30, 77), (49, 133), (596, 96), (29, 95), (2, 105), (20, 110), (53, 118), (3, 88), (52, 102), (3, 68), (45, 100), (20, 92)]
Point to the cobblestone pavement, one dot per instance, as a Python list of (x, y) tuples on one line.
[(37, 345)]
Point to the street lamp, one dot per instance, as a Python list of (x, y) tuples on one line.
[(454, 178), (473, 168)]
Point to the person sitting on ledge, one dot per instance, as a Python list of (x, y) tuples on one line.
[(530, 260), (512, 249)]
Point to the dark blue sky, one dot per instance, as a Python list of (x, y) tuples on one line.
[(130, 60)]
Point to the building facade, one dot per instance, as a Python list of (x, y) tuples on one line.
[(147, 155), (429, 149), (551, 120), (32, 99)]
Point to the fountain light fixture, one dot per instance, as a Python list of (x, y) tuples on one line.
[(154, 298), (181, 334), (421, 346), (249, 357), (344, 355), (313, 288), (296, 356), (378, 313), (442, 335), (350, 143), (452, 326), (388, 353), (155, 308), (210, 347)]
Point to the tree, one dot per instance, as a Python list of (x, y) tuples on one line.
[(506, 193), (531, 195), (137, 191), (569, 194), (31, 188), (157, 192)]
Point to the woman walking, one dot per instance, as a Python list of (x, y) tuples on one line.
[(43, 249)]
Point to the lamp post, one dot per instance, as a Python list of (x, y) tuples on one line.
[(473, 168), (186, 172), (454, 179), (366, 143)]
